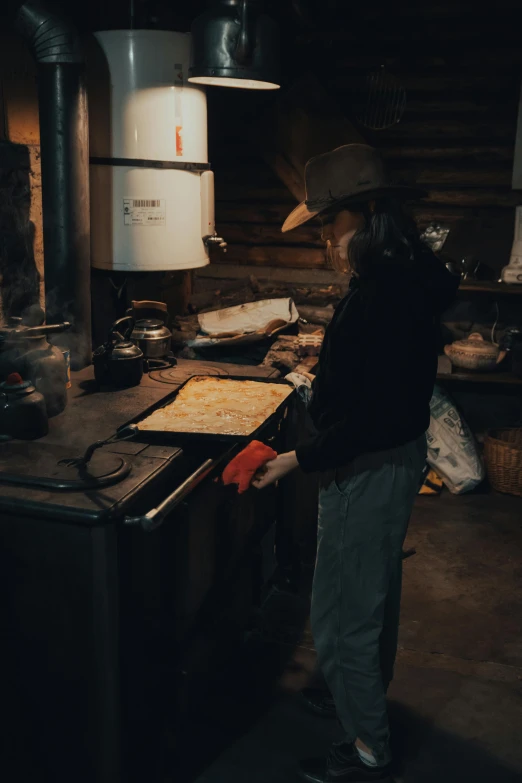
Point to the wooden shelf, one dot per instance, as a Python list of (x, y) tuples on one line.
[(490, 287), (495, 378)]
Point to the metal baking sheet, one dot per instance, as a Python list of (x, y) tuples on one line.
[(198, 437)]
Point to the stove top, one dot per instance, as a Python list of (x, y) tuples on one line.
[(186, 369), (177, 375), (44, 466), (96, 505)]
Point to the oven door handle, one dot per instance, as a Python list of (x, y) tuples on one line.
[(156, 516)]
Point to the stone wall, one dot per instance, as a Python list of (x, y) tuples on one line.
[(21, 232), (20, 278)]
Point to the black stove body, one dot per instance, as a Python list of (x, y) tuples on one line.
[(104, 622)]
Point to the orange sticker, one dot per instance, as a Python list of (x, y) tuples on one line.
[(179, 140)]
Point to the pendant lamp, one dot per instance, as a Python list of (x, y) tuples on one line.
[(235, 44)]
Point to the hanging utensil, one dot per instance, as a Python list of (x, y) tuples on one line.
[(380, 100)]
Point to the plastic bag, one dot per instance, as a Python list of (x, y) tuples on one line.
[(452, 449)]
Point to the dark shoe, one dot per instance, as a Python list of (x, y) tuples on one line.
[(343, 765), (320, 702)]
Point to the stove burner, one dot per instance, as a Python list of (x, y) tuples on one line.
[(178, 375), (103, 470)]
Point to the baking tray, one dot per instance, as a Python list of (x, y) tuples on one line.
[(167, 438)]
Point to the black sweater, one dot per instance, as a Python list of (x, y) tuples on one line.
[(378, 363)]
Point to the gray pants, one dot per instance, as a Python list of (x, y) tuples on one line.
[(364, 511)]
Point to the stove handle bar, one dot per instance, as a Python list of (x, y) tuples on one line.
[(156, 516)]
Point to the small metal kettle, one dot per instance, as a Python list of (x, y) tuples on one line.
[(25, 349), (22, 410), (119, 362), (151, 333)]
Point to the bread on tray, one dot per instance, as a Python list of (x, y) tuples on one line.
[(218, 406)]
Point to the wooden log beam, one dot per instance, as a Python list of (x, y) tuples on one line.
[(479, 154), (447, 128), (481, 177), (271, 274), (270, 234), (384, 29), (256, 179), (271, 255), (256, 234), (466, 82), (435, 149), (449, 61), (239, 211), (252, 215), (473, 197), (437, 194)]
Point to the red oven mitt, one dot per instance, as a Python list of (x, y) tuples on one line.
[(242, 469)]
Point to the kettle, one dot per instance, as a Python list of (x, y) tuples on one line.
[(25, 349), (119, 362), (151, 333)]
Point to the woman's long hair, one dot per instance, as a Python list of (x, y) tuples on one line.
[(388, 234)]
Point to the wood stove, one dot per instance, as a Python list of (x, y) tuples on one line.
[(107, 624)]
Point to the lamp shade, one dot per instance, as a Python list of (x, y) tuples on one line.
[(235, 44)]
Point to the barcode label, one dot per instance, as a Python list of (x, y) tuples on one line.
[(140, 202), (144, 212)]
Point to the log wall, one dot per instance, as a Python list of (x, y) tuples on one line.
[(461, 67)]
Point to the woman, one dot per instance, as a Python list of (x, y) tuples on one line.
[(370, 408)]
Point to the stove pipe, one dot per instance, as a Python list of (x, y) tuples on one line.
[(64, 138)]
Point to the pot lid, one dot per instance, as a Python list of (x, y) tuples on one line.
[(126, 350), (148, 324), (151, 328), (16, 383)]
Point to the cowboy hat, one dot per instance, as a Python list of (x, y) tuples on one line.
[(349, 174)]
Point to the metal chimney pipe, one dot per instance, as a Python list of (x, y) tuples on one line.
[(64, 139)]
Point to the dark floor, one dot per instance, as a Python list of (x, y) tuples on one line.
[(456, 703)]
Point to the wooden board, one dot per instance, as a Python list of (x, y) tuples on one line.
[(491, 287), (499, 379)]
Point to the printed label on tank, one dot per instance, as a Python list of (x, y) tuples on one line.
[(144, 212)]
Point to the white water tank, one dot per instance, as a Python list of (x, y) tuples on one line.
[(152, 193)]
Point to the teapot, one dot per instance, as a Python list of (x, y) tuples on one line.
[(151, 333), (118, 362), (474, 353)]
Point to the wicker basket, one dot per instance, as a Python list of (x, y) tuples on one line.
[(503, 453)]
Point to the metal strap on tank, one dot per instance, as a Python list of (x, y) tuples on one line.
[(151, 164)]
